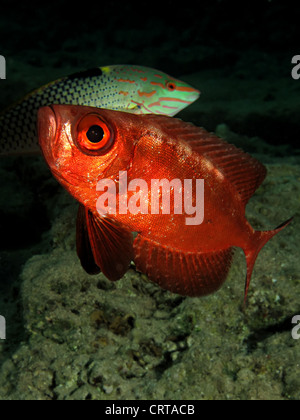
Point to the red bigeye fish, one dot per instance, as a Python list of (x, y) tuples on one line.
[(133, 89), (180, 188)]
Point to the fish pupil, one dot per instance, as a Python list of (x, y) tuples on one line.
[(171, 86), (95, 134)]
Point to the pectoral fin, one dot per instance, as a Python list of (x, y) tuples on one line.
[(103, 245)]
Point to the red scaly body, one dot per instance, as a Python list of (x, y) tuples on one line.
[(190, 259)]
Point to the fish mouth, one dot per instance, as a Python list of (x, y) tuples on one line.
[(47, 132), (48, 126), (170, 106), (47, 135)]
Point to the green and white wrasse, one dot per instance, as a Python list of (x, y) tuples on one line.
[(134, 89)]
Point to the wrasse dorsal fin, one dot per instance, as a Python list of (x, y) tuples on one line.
[(103, 243), (185, 273), (93, 72), (242, 170)]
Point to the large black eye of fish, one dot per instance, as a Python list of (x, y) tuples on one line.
[(94, 136)]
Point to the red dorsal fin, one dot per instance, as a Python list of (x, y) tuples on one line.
[(239, 168), (103, 245), (185, 273)]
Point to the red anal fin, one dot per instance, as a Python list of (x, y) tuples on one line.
[(188, 274), (104, 244)]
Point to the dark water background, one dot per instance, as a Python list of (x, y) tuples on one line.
[(239, 55)]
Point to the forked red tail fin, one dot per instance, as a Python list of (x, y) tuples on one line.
[(259, 240)]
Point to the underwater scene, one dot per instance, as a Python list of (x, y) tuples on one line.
[(150, 202)]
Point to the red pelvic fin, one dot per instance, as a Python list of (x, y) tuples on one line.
[(84, 249), (103, 245), (260, 239)]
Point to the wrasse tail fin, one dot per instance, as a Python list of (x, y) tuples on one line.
[(188, 274), (260, 239), (102, 245)]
